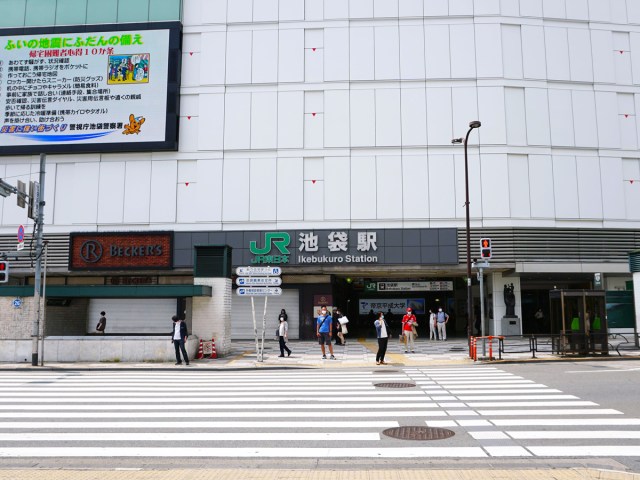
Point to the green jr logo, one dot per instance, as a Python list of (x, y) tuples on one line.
[(279, 240)]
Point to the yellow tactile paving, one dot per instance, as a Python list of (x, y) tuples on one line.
[(271, 474)]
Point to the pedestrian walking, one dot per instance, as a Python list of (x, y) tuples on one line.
[(341, 327), (324, 330), (383, 333), (283, 336), (283, 313), (102, 323), (433, 329), (442, 318), (409, 322), (179, 339)]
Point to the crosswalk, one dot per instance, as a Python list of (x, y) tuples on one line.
[(302, 414)]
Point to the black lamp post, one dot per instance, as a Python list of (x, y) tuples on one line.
[(472, 125)]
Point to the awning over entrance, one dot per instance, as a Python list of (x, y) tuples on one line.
[(111, 291)]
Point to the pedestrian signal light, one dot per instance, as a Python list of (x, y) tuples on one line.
[(4, 271), (485, 247)]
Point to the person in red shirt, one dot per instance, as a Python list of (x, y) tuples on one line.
[(408, 322)]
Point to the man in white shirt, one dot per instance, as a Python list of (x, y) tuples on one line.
[(179, 338)]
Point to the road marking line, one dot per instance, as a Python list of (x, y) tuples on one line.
[(467, 398), (489, 435), (507, 451), (106, 406), (577, 411), (568, 403), (187, 437), (574, 434), (587, 451), (565, 422), (203, 424)]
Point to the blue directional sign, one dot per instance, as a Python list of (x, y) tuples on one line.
[(258, 271), (17, 303), (258, 291)]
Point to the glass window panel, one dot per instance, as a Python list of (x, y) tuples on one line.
[(12, 13), (40, 12), (129, 11), (164, 10), (102, 11), (71, 12)]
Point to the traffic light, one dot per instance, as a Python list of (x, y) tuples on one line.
[(4, 271), (485, 247)]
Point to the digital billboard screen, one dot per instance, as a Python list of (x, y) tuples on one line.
[(110, 89)]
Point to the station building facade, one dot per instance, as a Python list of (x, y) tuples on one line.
[(315, 135)]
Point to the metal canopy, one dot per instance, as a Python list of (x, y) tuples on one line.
[(111, 291)]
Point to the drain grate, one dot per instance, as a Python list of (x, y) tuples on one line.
[(418, 433), (385, 371), (394, 385)]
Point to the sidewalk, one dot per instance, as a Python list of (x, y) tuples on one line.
[(357, 353), (270, 474)]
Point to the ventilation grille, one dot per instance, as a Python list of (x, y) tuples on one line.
[(57, 251)]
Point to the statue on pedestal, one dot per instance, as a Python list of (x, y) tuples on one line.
[(509, 300)]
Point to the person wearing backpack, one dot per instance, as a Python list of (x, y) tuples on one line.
[(442, 318), (324, 331)]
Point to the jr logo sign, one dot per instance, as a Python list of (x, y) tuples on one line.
[(278, 240)]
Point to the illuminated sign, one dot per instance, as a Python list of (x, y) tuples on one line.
[(89, 91)]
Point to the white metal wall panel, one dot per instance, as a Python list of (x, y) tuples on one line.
[(163, 191), (602, 54), (291, 55), (211, 122), (187, 191), (239, 56), (363, 115), (578, 9), (85, 191), (510, 7), (465, 108), (412, 52), (264, 120), (442, 187), (361, 8), (313, 131), (265, 11), (634, 45), (436, 47), (537, 105), (111, 192), (415, 186), (512, 51), (337, 174), (495, 186), (557, 53), (189, 131), (290, 119), (608, 122), (389, 187), (137, 191), (388, 117), (290, 189), (387, 53), (633, 12), (488, 44), (314, 188), (336, 118), (213, 58), (631, 170), (599, 10), (439, 116), (531, 8), (414, 116), (561, 118), (515, 116), (475, 185), (613, 197), (291, 10), (519, 195), (239, 11), (264, 56), (436, 8), (540, 182), (580, 55), (313, 10), (242, 319), (133, 315), (565, 186), (262, 203), (336, 54), (411, 8), (486, 7), (533, 51), (313, 65), (385, 8), (361, 53), (460, 7), (363, 188), (584, 118), (236, 191), (336, 9), (209, 192), (213, 11), (554, 8), (627, 121), (463, 61), (237, 121), (619, 11), (492, 112), (589, 187), (64, 197)]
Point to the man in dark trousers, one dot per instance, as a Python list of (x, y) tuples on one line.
[(179, 338)]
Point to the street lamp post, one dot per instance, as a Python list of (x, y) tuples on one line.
[(472, 125)]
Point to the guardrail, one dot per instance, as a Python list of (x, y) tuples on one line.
[(557, 344)]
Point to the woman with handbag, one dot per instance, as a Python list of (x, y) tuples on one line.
[(383, 333), (341, 327)]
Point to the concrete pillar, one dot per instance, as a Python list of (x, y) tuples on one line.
[(496, 289), (211, 316)]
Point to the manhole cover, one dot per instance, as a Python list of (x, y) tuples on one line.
[(394, 385), (418, 433)]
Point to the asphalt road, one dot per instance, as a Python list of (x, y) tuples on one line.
[(505, 416)]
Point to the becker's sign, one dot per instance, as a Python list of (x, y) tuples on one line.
[(120, 251), (102, 90)]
